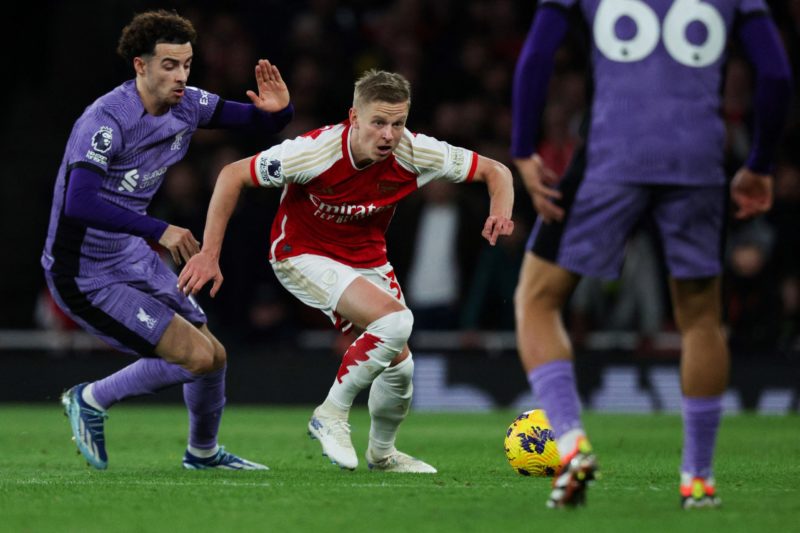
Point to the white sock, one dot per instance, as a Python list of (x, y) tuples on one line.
[(201, 453), (88, 397), (389, 400), (334, 409)]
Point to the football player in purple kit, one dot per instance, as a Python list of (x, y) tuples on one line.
[(97, 263), (654, 147)]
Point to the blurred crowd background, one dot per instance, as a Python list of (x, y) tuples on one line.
[(459, 56)]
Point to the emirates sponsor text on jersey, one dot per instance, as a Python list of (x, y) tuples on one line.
[(344, 213)]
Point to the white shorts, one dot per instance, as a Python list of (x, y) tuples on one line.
[(319, 282)]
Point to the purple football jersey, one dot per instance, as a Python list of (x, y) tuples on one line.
[(657, 70), (133, 150)]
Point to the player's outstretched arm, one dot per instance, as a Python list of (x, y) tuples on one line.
[(540, 183), (204, 266), (273, 95), (500, 185), (751, 192)]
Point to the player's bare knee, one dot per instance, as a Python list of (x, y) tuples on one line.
[(201, 358), (537, 296), (697, 303), (220, 356), (199, 365), (697, 320), (521, 300), (697, 317)]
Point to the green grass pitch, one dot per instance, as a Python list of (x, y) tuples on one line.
[(45, 486)]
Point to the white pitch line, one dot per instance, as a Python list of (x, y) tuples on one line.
[(137, 482), (208, 483), (377, 485)]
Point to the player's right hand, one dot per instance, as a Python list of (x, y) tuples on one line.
[(180, 242), (541, 184), (198, 271)]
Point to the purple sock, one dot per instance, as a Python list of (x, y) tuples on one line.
[(205, 399), (554, 386), (701, 418), (145, 376)]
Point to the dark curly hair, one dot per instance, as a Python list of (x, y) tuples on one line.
[(146, 30)]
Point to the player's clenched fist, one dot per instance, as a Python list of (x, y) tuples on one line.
[(752, 193)]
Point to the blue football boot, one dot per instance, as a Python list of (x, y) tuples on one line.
[(222, 459), (87, 427)]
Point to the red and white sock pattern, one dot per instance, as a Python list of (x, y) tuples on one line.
[(369, 355)]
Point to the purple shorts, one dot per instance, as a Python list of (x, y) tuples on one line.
[(129, 309), (600, 217)]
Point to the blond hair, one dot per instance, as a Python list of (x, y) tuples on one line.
[(381, 86)]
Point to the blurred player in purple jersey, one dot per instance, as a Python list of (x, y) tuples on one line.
[(97, 263), (654, 148)]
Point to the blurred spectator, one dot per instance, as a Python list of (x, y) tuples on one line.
[(489, 303), (432, 287), (634, 302), (228, 56), (558, 142), (785, 218), (182, 199), (269, 316), (753, 308), (50, 316)]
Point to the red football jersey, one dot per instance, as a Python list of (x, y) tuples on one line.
[(331, 208)]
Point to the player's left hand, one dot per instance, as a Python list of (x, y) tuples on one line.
[(751, 192), (273, 95), (496, 226), (199, 270)]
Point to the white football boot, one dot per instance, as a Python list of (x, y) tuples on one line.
[(332, 431), (400, 462)]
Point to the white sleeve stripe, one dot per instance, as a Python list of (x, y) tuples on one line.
[(427, 151), (407, 144), (310, 153), (404, 144), (427, 161), (422, 159), (432, 165), (416, 152), (406, 165), (308, 164)]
